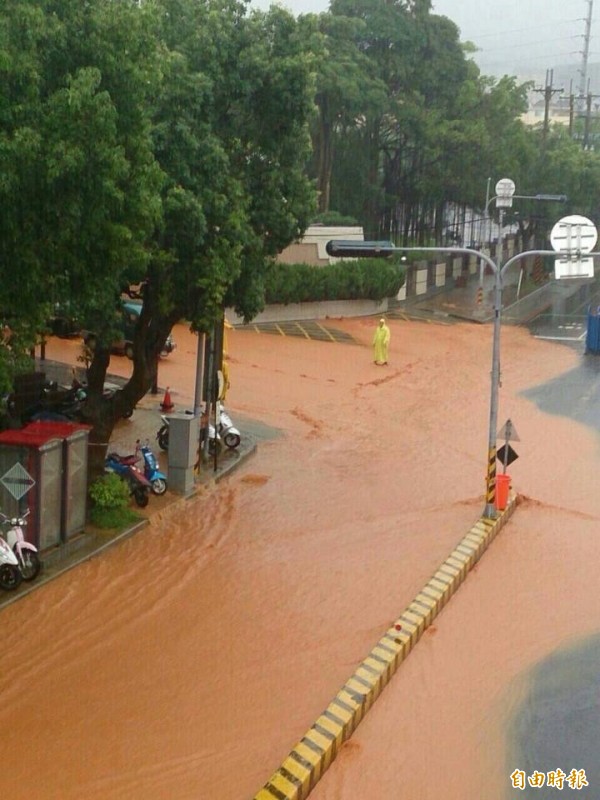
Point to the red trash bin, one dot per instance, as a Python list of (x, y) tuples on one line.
[(502, 491)]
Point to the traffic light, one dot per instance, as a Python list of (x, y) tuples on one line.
[(346, 248)]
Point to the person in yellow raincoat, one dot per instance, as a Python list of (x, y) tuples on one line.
[(225, 365), (381, 341)]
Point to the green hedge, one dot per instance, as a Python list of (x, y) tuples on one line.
[(360, 279), (334, 218)]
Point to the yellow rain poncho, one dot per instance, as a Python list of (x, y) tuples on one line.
[(381, 341)]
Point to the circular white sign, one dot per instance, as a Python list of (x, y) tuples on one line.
[(505, 187), (574, 234)]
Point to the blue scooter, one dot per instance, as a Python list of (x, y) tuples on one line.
[(157, 479), (124, 466)]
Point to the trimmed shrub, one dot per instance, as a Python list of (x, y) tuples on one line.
[(334, 218), (110, 497), (357, 279)]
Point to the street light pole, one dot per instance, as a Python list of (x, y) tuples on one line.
[(505, 194), (490, 494), (504, 197), (505, 189)]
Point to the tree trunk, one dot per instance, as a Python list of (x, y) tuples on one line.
[(324, 152), (103, 412)]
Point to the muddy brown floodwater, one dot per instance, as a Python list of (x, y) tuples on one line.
[(187, 661)]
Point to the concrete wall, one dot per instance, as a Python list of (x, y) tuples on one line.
[(311, 248)]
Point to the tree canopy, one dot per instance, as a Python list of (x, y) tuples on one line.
[(177, 146), (161, 145)]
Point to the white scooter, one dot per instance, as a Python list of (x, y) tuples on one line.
[(227, 431), (214, 440), (28, 561), (10, 574)]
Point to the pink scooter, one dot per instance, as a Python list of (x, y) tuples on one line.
[(25, 552)]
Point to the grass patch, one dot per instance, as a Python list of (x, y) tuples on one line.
[(110, 503), (113, 517)]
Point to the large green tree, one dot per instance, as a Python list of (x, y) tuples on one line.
[(348, 91), (437, 131), (160, 145)]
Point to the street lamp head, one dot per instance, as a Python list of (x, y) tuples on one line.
[(558, 198)]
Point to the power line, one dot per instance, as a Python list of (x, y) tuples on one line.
[(495, 34), (527, 44), (546, 57)]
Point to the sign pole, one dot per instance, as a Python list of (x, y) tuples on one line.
[(507, 436), (490, 492)]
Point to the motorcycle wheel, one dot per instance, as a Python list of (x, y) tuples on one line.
[(232, 440), (141, 497), (159, 486), (10, 577), (163, 438), (31, 566), (127, 414)]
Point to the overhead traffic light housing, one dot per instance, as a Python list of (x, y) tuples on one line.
[(346, 248)]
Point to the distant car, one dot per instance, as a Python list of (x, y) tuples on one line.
[(62, 324), (124, 346)]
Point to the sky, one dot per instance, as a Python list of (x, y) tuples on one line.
[(526, 38)]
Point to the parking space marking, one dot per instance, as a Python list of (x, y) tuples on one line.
[(308, 329)]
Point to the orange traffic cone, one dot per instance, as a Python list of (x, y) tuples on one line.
[(167, 404)]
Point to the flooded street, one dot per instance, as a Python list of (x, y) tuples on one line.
[(188, 660)]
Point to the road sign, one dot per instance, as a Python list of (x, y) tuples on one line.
[(572, 237), (508, 432), (574, 233), (576, 268), (505, 188), (506, 455)]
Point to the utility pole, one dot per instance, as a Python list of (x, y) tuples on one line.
[(571, 110), (588, 115), (586, 51), (588, 119), (547, 91)]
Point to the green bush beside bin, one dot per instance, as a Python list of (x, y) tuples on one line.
[(110, 498)]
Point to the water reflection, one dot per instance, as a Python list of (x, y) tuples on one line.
[(574, 394), (557, 724)]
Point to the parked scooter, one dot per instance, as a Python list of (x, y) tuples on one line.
[(214, 439), (10, 574), (125, 467), (66, 404), (158, 480), (57, 403), (162, 434), (26, 553), (227, 431)]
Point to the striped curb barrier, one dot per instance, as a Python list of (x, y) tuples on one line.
[(314, 753)]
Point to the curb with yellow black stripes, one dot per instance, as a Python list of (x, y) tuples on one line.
[(317, 749)]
